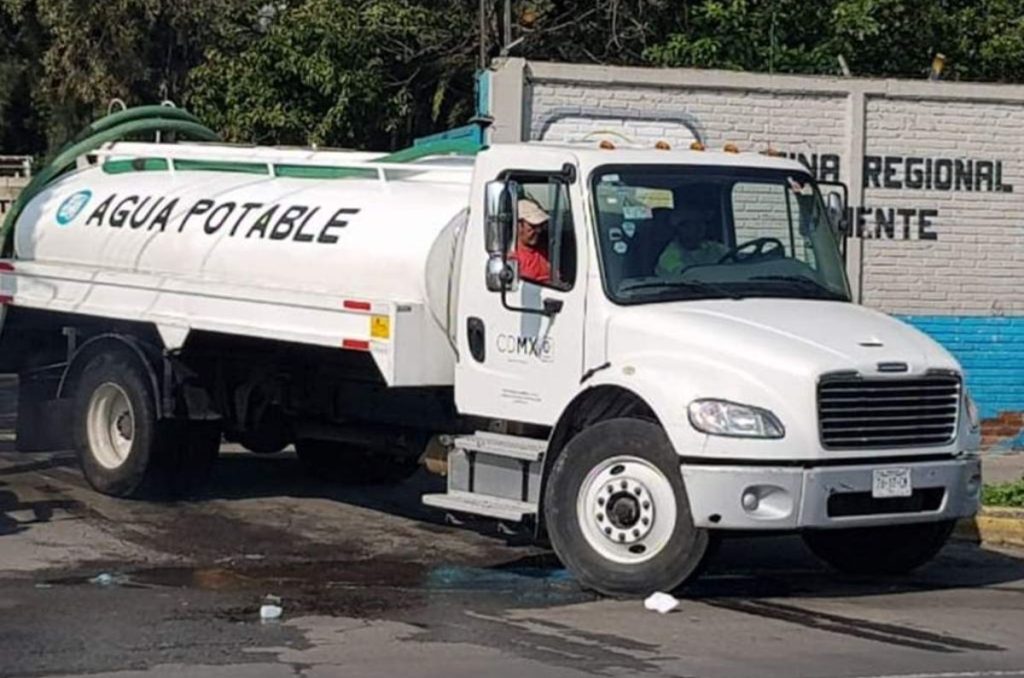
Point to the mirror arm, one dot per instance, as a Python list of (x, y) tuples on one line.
[(550, 310)]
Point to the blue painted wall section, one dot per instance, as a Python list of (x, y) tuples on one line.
[(991, 350)]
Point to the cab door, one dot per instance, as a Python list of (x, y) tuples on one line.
[(521, 348)]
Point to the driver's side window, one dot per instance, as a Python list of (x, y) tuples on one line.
[(544, 242)]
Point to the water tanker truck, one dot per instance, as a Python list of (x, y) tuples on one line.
[(635, 351)]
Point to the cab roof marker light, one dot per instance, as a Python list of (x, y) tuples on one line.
[(697, 146), (731, 148), (772, 153), (606, 145), (663, 145)]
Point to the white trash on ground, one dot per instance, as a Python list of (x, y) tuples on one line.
[(270, 612), (271, 609), (662, 603)]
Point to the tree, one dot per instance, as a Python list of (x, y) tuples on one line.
[(21, 48), (377, 73), (331, 72), (139, 51), (591, 31), (981, 39)]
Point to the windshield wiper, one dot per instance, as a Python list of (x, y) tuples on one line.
[(803, 283), (698, 285)]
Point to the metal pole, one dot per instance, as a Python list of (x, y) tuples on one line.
[(507, 38), (483, 34)]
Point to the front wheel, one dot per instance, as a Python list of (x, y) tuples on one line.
[(617, 513), (894, 549)]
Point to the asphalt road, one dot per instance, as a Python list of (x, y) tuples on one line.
[(374, 585)]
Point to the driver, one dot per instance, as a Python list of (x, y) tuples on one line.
[(691, 244)]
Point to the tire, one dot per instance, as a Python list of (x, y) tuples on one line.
[(123, 449), (352, 465), (653, 544), (896, 549), (270, 435)]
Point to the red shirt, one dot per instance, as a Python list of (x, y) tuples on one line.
[(533, 264)]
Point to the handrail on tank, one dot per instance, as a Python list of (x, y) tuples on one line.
[(300, 162), (113, 127)]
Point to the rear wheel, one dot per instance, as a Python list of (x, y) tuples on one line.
[(341, 462), (617, 513), (124, 450), (894, 549)]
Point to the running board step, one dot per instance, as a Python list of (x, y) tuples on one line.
[(481, 505), (500, 445), (494, 475)]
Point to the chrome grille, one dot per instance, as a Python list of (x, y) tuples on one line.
[(860, 413)]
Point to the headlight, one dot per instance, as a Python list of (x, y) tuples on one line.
[(723, 418), (971, 409)]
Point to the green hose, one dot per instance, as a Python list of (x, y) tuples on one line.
[(128, 115), (111, 128)]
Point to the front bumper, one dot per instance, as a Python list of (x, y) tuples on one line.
[(789, 498)]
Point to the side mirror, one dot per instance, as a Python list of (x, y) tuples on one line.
[(835, 207), (500, 217), (502, 274)]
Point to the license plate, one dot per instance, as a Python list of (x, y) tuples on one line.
[(891, 482)]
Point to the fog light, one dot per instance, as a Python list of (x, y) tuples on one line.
[(750, 501), (973, 485)]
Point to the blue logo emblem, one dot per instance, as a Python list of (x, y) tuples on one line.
[(70, 208)]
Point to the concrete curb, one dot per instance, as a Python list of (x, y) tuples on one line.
[(1001, 526)]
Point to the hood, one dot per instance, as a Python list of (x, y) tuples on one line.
[(792, 335)]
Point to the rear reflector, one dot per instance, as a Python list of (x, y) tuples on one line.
[(355, 344), (356, 305)]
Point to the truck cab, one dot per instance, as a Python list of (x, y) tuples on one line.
[(696, 365)]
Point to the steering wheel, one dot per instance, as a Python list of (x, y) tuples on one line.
[(759, 248)]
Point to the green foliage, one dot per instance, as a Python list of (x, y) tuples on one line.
[(376, 73), (783, 36), (137, 50), (21, 47), (981, 39), (343, 73), (1005, 494)]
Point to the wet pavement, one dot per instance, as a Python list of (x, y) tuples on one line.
[(373, 584)]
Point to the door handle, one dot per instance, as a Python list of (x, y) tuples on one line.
[(476, 337)]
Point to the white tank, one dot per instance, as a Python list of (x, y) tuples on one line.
[(367, 236)]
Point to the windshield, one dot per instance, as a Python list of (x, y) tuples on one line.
[(670, 233)]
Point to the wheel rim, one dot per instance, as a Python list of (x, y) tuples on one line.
[(626, 508), (110, 425)]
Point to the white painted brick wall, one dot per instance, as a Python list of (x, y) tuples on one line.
[(976, 266), (749, 119)]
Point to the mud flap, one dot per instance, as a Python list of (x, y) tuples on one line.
[(44, 421)]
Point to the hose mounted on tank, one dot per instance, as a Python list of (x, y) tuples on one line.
[(114, 127)]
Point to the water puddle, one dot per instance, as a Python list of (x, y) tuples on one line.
[(338, 585)]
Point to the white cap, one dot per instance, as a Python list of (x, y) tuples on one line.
[(531, 212)]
